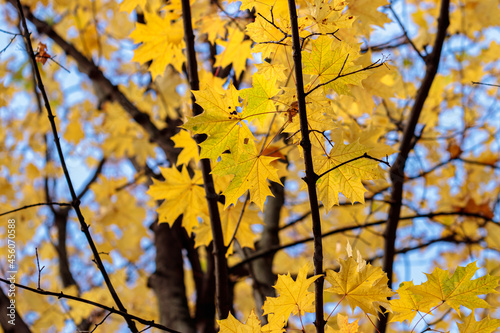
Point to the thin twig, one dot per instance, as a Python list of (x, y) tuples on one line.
[(376, 64), (36, 205), (233, 237), (39, 269), (365, 155), (405, 33), (486, 84), (101, 322)]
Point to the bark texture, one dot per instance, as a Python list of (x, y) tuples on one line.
[(167, 281)]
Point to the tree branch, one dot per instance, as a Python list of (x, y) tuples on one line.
[(224, 303), (76, 202), (397, 170), (311, 176), (125, 315)]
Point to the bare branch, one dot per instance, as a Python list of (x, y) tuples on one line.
[(36, 205), (365, 155), (76, 202), (123, 314)]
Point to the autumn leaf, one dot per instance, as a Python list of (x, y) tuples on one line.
[(259, 102), (232, 325), (269, 37), (471, 207), (362, 285), (366, 11), (344, 325), (328, 15), (222, 122), (293, 297), (251, 173), (470, 325), (190, 150), (236, 51), (407, 306), (42, 56), (182, 194), (129, 5), (459, 289), (332, 61), (348, 178), (161, 41)]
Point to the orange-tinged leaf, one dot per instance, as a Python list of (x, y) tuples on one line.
[(459, 289), (41, 55), (471, 207), (293, 295)]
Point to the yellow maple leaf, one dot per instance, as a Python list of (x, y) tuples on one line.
[(366, 11), (344, 326), (327, 15), (293, 296), (222, 122), (162, 42), (407, 306), (276, 324), (470, 325), (251, 172), (361, 284), (182, 195), (259, 102), (236, 51), (328, 59), (233, 325), (189, 147), (272, 71), (347, 178), (456, 290)]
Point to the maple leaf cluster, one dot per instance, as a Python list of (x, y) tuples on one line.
[(364, 286)]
